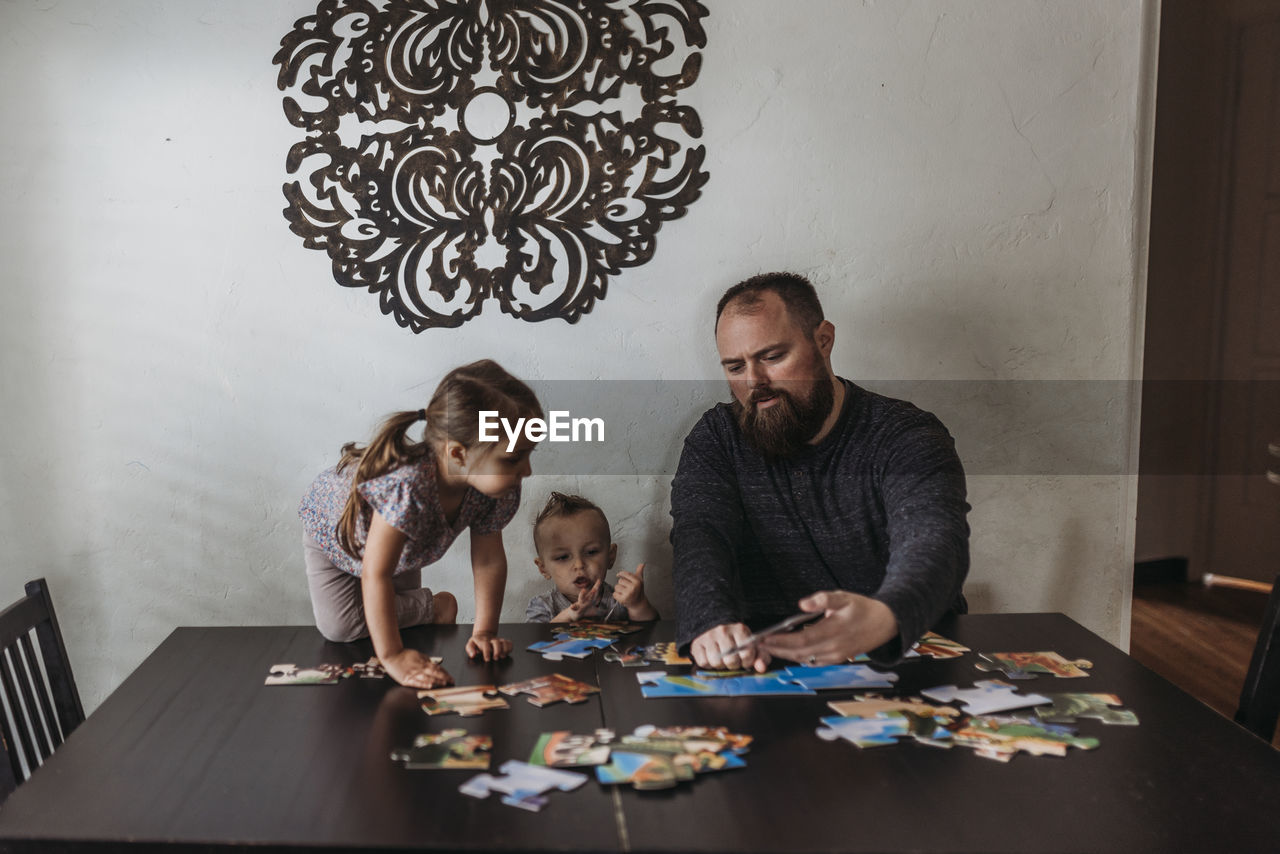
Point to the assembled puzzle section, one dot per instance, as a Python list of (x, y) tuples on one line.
[(706, 683)]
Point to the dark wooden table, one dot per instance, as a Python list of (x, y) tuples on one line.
[(193, 752)]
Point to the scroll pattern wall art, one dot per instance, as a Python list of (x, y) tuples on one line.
[(457, 151)]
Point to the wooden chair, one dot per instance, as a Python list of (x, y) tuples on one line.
[(40, 703), (1260, 699)]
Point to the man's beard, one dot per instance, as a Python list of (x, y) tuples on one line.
[(786, 427)]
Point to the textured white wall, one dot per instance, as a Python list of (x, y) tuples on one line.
[(964, 182)]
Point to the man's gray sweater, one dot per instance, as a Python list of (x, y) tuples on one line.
[(877, 508)]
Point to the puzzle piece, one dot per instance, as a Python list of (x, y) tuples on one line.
[(659, 683), (662, 652), (876, 731), (642, 770), (659, 757), (1067, 708), (999, 738), (523, 784), (1026, 665), (936, 646), (566, 750), (850, 676), (985, 697), (870, 705), (291, 674), (564, 645), (626, 659), (552, 688), (593, 629), (885, 727), (465, 700), (452, 748), (373, 669), (698, 737)]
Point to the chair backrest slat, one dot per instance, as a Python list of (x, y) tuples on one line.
[(57, 664), (1260, 698), (21, 721), (31, 682), (41, 703)]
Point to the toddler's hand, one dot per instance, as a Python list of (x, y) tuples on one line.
[(630, 588), (488, 646), (586, 600), (414, 670)]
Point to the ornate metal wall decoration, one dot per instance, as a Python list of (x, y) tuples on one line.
[(461, 150)]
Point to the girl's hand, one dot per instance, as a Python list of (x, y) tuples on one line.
[(414, 670), (629, 593), (488, 645)]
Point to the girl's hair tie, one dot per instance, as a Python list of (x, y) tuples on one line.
[(422, 415)]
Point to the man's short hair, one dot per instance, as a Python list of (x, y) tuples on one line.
[(796, 292), (558, 504)]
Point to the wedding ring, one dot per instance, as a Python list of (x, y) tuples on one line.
[(813, 659)]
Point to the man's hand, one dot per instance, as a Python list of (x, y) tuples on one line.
[(709, 649), (414, 670), (851, 625), (488, 646), (586, 599)]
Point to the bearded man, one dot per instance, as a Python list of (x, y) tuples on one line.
[(810, 493)]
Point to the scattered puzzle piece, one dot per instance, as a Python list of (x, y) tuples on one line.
[(568, 750), (936, 646), (452, 748), (698, 737), (663, 652), (1000, 738), (552, 688), (850, 676), (564, 645), (877, 731), (641, 770), (930, 645), (465, 700), (1026, 665), (373, 669), (659, 757), (592, 629), (291, 674), (524, 785), (1067, 708), (885, 727), (985, 697), (870, 705), (630, 658)]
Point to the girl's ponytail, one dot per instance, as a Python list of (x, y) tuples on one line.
[(453, 414), (390, 448)]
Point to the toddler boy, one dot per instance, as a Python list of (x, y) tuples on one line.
[(575, 550)]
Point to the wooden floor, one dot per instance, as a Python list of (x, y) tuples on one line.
[(1198, 638)]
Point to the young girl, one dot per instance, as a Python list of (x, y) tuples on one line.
[(388, 509)]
